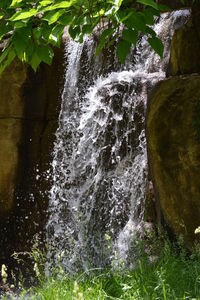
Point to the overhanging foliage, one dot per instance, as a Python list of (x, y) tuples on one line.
[(32, 27)]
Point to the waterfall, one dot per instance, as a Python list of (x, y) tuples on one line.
[(99, 168)]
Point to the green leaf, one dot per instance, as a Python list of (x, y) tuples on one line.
[(45, 32), (123, 48), (136, 21), (1, 15), (163, 7), (74, 31), (4, 4), (149, 14), (7, 60), (45, 53), (78, 20), (20, 41), (37, 32), (123, 15), (87, 29), (15, 3), (59, 5), (111, 41), (52, 16), (100, 13), (65, 19), (103, 39), (151, 3), (45, 3), (157, 45), (56, 34), (20, 24), (130, 35), (150, 31), (4, 29), (35, 61), (28, 52), (4, 54), (117, 3), (23, 14)]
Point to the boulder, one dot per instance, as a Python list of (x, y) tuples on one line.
[(185, 49), (173, 139)]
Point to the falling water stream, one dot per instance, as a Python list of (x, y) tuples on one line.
[(99, 169)]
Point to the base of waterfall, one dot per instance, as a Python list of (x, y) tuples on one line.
[(164, 271)]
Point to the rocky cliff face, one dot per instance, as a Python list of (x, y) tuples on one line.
[(29, 108), (173, 133)]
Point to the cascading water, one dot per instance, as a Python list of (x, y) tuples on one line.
[(99, 168)]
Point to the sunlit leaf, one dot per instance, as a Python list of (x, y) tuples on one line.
[(59, 5), (1, 15), (53, 16), (45, 2), (23, 14), (56, 34), (100, 13), (15, 3)]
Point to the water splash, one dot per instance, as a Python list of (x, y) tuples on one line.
[(99, 168)]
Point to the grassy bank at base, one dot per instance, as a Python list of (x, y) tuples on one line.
[(174, 275)]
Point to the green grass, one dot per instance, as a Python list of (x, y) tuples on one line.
[(175, 275)]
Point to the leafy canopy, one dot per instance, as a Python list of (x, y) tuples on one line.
[(31, 28)]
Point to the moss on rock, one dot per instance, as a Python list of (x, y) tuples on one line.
[(174, 152), (185, 49)]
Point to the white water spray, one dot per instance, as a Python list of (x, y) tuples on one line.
[(100, 162)]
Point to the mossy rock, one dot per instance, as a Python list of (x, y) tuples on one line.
[(185, 50), (173, 141)]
